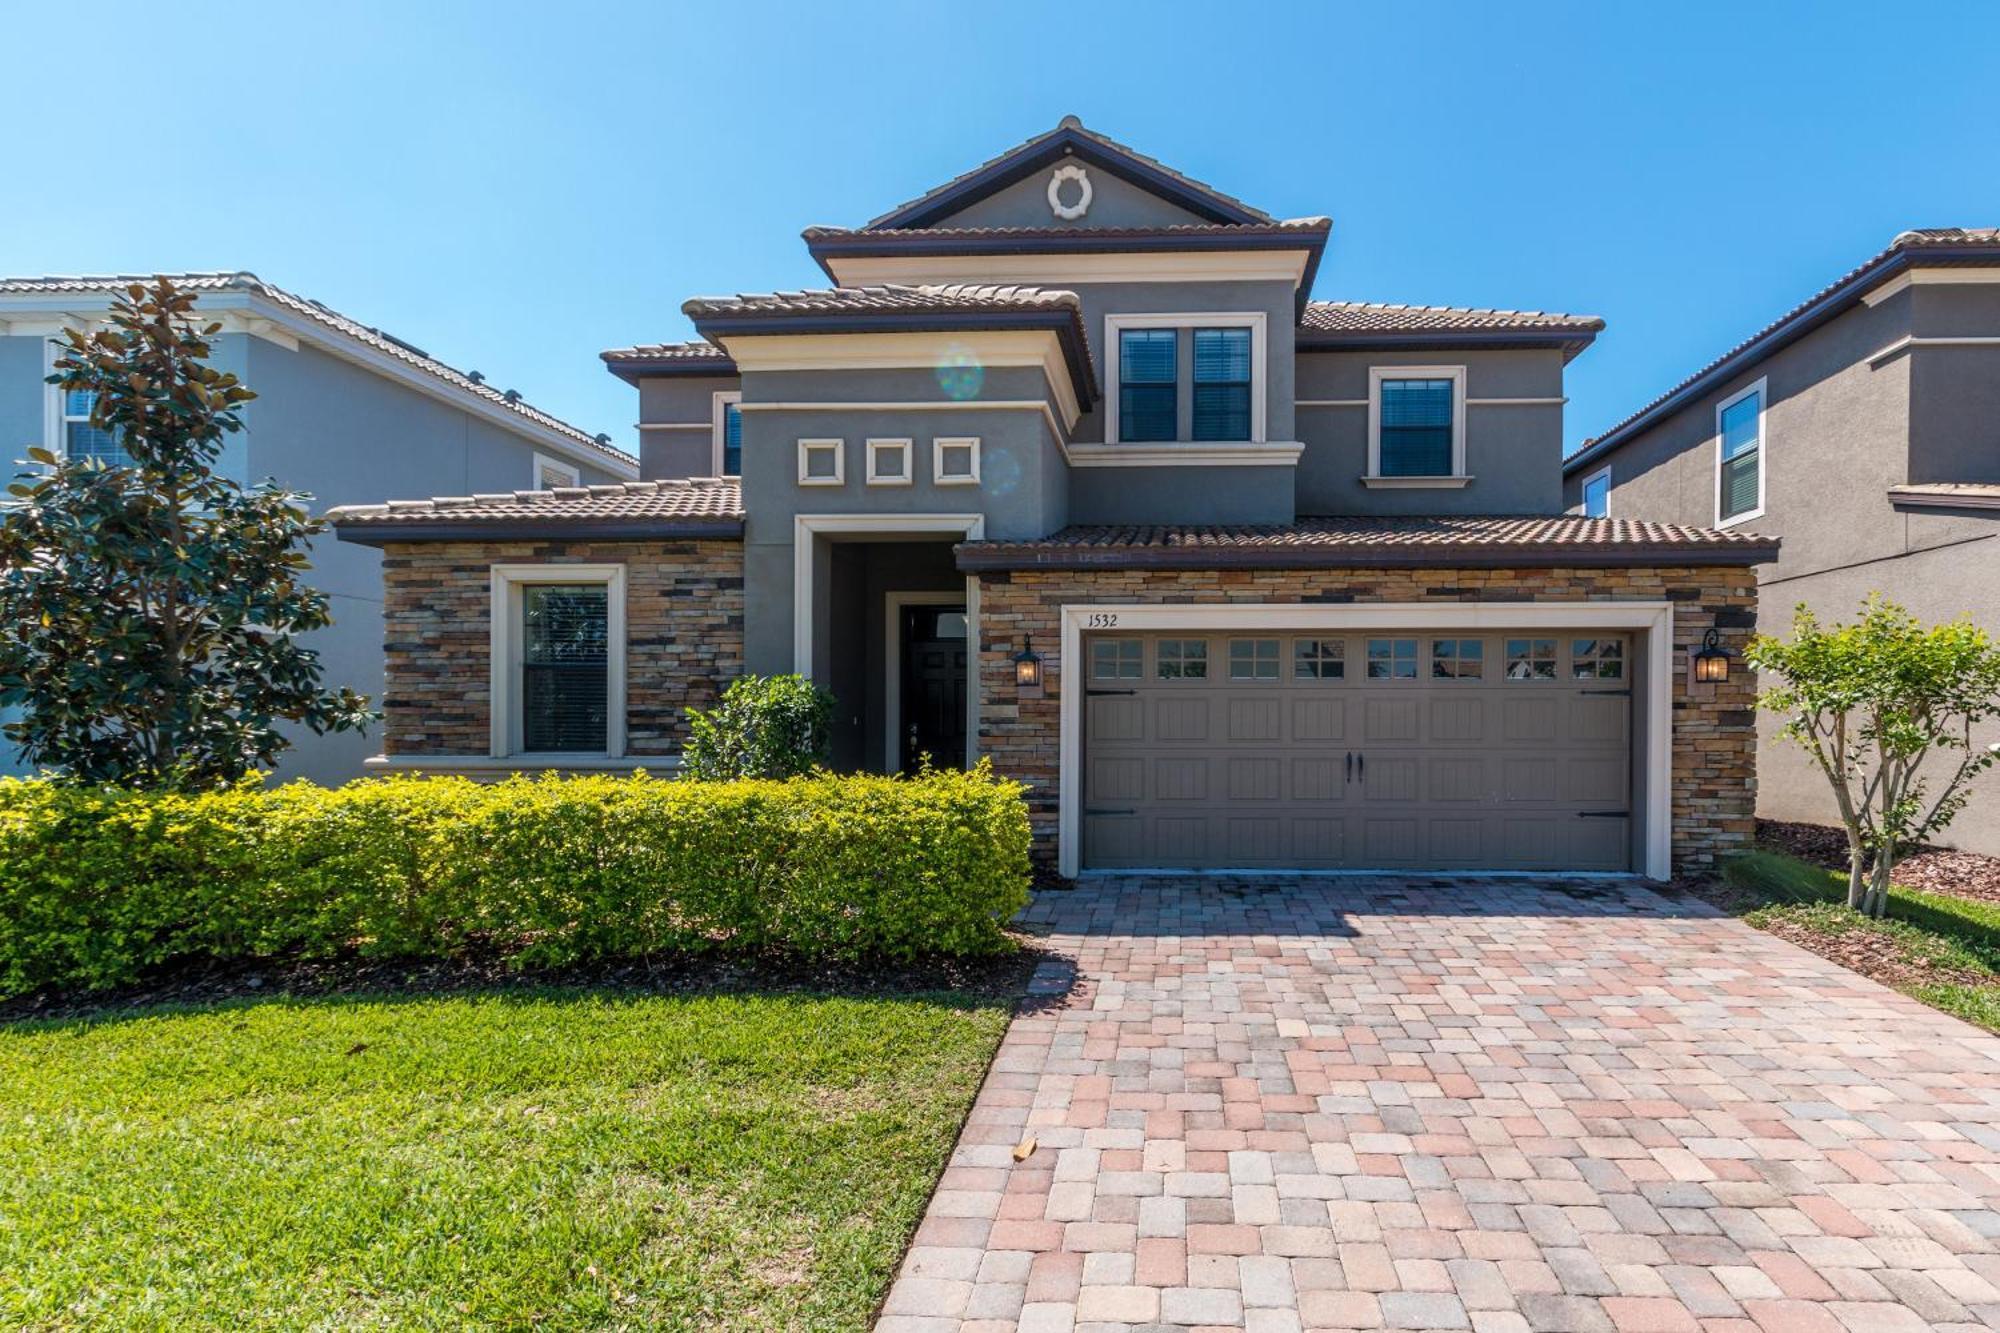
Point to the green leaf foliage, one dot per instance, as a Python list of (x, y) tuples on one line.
[(764, 727), (154, 608), (99, 884)]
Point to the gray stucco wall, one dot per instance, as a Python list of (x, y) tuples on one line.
[(1839, 432), (1513, 450), (346, 436), (1114, 202), (668, 406)]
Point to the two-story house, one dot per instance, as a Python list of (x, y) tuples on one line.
[(1067, 468), (344, 412), (1862, 428)]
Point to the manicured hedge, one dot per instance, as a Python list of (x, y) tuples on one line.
[(97, 886)]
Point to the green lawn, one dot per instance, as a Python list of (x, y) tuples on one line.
[(505, 1159), (1942, 950)]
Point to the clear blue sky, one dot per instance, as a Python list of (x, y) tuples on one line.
[(516, 187)]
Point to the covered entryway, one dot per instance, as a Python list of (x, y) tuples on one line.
[(1324, 748)]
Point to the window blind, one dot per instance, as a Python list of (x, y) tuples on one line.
[(1222, 384), (1416, 428), (565, 667), (1146, 370)]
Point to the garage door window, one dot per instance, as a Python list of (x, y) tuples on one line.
[(1253, 659), (1531, 659), (1116, 659), (1392, 659), (1458, 659), (1319, 659), (1597, 659), (1181, 659)]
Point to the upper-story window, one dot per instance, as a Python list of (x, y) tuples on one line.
[(1148, 388), (80, 439), (728, 434), (1186, 378), (1222, 384), (1416, 425), (1739, 461), (1597, 494)]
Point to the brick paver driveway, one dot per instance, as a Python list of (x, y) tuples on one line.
[(1299, 1104)]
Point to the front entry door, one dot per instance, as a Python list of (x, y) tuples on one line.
[(933, 704)]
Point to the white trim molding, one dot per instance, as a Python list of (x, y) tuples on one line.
[(1376, 376), (893, 605), (1583, 493), (1068, 270), (1909, 341), (1929, 277), (1186, 455), (942, 445), (1254, 320), (1759, 388), (1040, 348), (1415, 483), (933, 405), (1654, 619), (719, 404), (543, 464), (504, 616), (808, 528), (810, 446), (902, 445)]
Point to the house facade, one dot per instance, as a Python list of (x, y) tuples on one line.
[(1064, 466), (344, 412), (1862, 428)]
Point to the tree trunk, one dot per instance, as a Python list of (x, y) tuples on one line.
[(1878, 888), (1857, 874)]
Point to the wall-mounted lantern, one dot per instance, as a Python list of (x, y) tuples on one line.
[(1711, 662), (1028, 668)]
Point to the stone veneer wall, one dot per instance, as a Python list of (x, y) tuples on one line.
[(683, 635), (1715, 733)]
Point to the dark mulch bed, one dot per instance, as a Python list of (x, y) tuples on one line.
[(1932, 869), (1002, 979)]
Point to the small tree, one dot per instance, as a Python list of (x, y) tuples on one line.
[(1873, 703), (151, 607), (764, 727)]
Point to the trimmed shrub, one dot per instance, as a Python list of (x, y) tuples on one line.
[(763, 727), (97, 886)]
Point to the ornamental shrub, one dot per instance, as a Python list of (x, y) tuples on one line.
[(763, 727), (98, 885)]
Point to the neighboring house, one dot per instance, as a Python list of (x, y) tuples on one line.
[(1069, 470), (343, 411), (1863, 428)]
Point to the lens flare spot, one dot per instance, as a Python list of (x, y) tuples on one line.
[(959, 374)]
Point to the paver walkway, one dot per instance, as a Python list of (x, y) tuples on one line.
[(1292, 1104)]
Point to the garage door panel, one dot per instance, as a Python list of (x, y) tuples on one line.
[(1447, 770)]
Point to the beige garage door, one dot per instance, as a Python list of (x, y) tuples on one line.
[(1358, 751)]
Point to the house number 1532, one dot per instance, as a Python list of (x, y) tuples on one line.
[(1102, 620)]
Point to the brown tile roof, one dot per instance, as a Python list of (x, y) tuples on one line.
[(1072, 128), (1947, 495), (949, 298), (1923, 246), (1369, 317), (649, 360), (1100, 237), (1373, 541), (334, 321), (701, 506), (694, 351)]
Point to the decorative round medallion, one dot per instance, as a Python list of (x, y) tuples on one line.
[(1063, 175)]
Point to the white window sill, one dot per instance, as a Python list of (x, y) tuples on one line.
[(1415, 483), (1188, 453)]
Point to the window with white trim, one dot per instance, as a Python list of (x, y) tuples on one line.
[(1739, 459), (558, 642), (889, 463), (955, 460), (822, 462), (1416, 422), (1186, 378), (726, 426), (1597, 494), (80, 439), (551, 473)]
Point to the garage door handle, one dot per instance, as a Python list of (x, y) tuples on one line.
[(1625, 693), (1361, 766), (1111, 691), (1604, 814), (1093, 810), (1350, 765)]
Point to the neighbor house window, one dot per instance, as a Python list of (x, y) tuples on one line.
[(728, 434), (1147, 385), (889, 463), (552, 473), (80, 439), (822, 462), (955, 461), (1222, 384), (1739, 477), (1597, 494), (558, 684)]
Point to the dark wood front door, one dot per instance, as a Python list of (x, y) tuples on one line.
[(933, 704)]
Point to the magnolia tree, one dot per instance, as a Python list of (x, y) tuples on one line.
[(1887, 708), (152, 605)]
